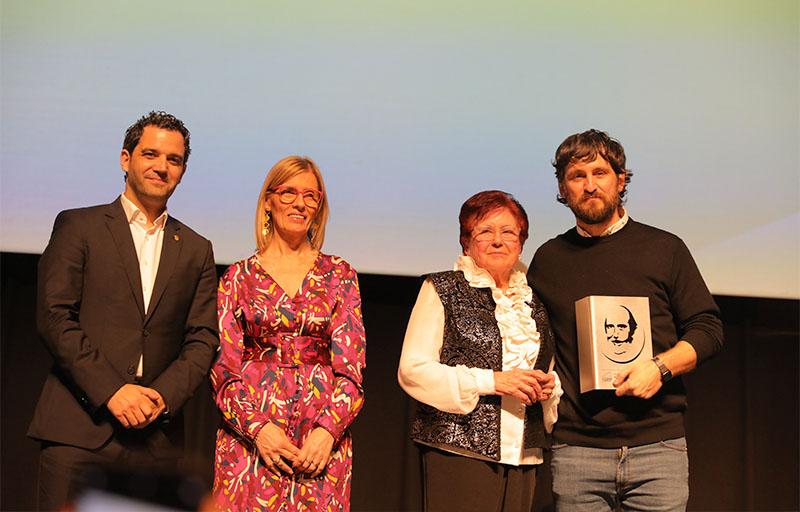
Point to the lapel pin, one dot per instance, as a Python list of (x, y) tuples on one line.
[(176, 237)]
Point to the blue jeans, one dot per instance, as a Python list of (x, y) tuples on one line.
[(652, 477)]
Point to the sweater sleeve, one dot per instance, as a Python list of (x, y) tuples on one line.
[(454, 389), (695, 311)]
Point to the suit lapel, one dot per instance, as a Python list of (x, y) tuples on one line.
[(170, 252), (117, 224)]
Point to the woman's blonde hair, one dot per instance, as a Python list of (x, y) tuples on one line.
[(286, 169)]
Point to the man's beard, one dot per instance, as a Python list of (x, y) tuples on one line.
[(588, 214)]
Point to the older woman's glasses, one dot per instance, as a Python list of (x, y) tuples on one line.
[(287, 195), (488, 235)]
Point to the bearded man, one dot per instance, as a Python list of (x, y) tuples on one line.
[(622, 449)]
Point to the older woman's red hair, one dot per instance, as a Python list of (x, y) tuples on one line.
[(482, 204)]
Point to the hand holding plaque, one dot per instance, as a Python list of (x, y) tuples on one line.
[(641, 380)]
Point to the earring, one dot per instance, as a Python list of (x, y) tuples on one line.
[(267, 223)]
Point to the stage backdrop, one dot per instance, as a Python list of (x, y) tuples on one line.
[(411, 107)]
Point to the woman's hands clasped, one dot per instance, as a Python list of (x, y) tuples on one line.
[(315, 453), (275, 449), (280, 455), (527, 385)]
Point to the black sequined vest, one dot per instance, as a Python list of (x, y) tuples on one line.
[(472, 338)]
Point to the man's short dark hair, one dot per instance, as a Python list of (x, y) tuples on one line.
[(159, 119), (585, 147)]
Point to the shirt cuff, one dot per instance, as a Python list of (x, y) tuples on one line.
[(484, 380)]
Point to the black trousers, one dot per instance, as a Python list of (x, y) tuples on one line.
[(454, 482), (66, 470)]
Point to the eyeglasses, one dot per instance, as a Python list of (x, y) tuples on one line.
[(489, 234), (287, 195)]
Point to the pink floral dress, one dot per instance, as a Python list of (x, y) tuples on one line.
[(292, 361)]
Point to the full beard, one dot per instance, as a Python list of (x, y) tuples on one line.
[(588, 214)]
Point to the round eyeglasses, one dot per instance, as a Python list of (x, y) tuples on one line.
[(488, 235), (288, 195)]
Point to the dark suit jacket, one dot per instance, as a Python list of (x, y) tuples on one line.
[(90, 312)]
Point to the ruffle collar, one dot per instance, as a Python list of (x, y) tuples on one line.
[(512, 311)]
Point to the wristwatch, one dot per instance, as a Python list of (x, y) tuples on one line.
[(666, 374)]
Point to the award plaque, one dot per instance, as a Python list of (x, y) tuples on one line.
[(613, 333)]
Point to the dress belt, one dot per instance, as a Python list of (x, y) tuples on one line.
[(288, 351)]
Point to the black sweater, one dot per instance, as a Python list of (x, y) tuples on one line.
[(637, 260)]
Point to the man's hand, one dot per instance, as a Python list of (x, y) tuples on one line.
[(315, 453), (276, 449), (642, 380), (136, 406)]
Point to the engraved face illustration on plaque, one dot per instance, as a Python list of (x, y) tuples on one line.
[(623, 342)]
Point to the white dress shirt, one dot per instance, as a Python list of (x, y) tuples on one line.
[(456, 389), (148, 240)]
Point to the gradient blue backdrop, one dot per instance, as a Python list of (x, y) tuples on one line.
[(411, 107)]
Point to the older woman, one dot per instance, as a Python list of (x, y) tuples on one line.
[(478, 356), (288, 376)]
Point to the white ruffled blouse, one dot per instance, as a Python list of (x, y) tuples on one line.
[(456, 389)]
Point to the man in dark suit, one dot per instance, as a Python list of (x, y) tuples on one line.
[(127, 307)]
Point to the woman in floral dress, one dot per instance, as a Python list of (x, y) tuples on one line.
[(292, 350)]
